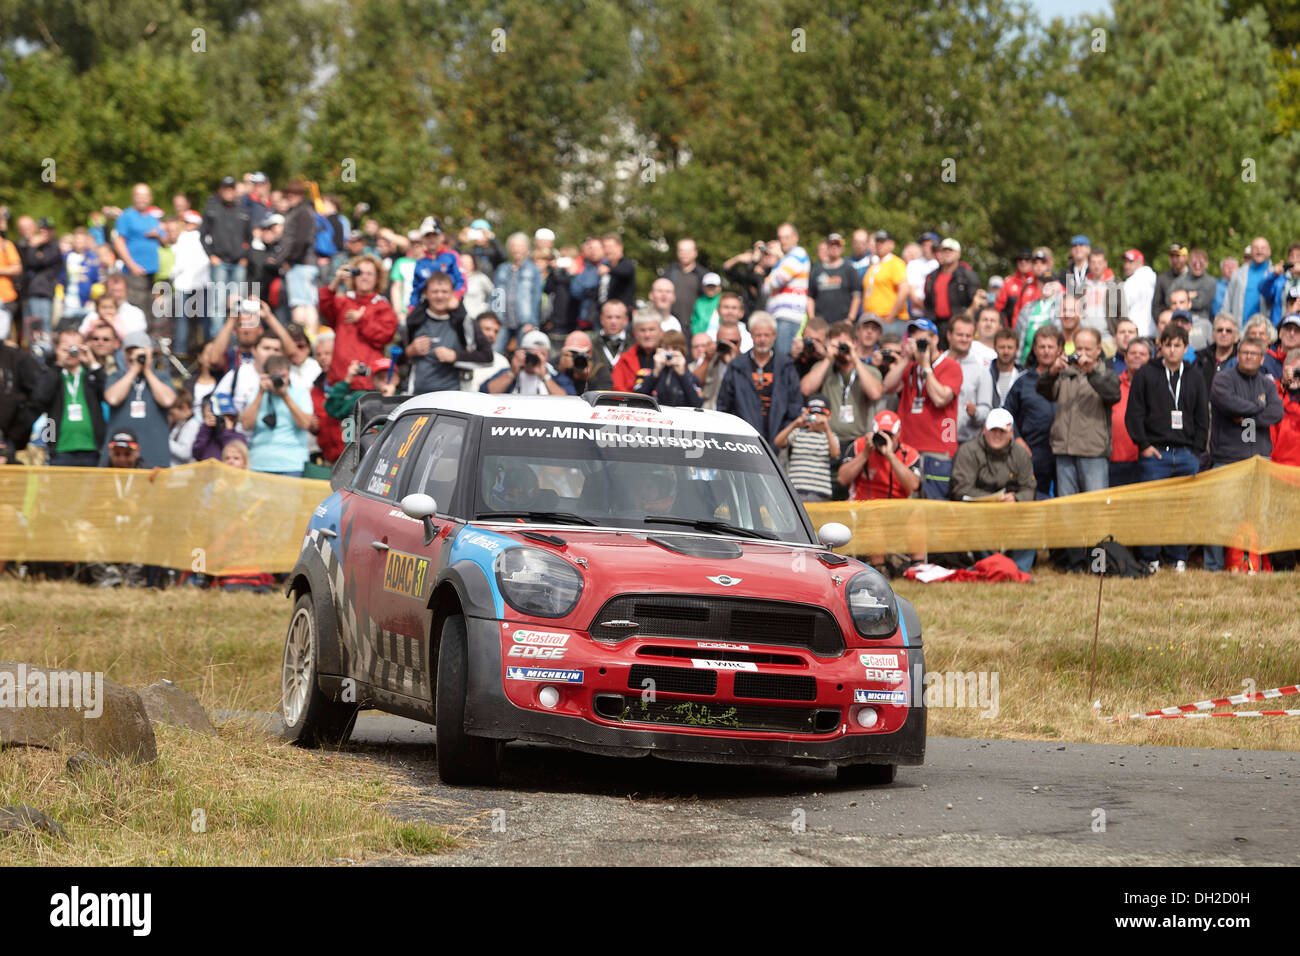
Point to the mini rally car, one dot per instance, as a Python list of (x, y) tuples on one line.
[(599, 573)]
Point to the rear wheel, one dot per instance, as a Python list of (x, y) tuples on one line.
[(868, 774), (462, 759), (311, 719)]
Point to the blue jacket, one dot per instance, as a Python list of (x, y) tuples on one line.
[(1033, 415), (737, 396), (1272, 293), (445, 261), (528, 301), (583, 289)]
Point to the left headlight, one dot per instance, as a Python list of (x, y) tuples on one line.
[(538, 583), (871, 604)]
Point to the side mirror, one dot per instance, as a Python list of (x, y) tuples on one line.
[(834, 535), (423, 508)]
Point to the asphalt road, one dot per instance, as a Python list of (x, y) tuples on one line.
[(974, 802)]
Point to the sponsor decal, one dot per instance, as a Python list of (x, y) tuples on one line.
[(399, 513), (538, 653), (861, 696), (320, 511), (878, 660), (892, 676), (405, 573), (722, 646), (726, 580), (542, 674), (724, 665), (480, 540), (540, 638), (410, 439)]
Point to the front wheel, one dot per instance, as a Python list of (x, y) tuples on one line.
[(311, 719), (867, 774), (462, 759)]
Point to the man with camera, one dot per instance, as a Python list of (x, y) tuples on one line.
[(748, 270), (810, 352), (849, 384), (585, 371), (1084, 389), (138, 399), (278, 418), (879, 466), (71, 394), (439, 334), (530, 372), (669, 380), (813, 448), (928, 383), (709, 367)]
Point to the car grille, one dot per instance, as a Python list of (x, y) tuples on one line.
[(724, 716), (776, 686), (743, 620), (673, 680), (785, 660)]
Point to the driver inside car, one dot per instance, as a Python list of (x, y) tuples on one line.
[(654, 489), (513, 488)]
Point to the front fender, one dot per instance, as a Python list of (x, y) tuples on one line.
[(312, 573)]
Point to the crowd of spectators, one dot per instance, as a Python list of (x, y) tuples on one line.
[(246, 332)]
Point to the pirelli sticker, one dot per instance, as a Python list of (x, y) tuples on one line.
[(405, 573)]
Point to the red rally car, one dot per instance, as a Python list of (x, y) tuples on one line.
[(599, 573)]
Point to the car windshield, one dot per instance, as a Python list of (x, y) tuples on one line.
[(616, 474)]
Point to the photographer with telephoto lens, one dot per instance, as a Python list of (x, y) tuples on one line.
[(278, 418)]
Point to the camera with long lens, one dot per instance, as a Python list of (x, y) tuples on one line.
[(141, 359), (531, 361), (809, 345), (579, 360), (724, 347), (844, 349)]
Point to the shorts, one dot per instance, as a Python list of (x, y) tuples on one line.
[(302, 281)]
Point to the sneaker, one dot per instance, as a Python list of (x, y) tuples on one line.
[(1180, 567), (1153, 566)]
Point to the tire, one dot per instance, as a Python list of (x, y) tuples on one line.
[(462, 759), (867, 774), (311, 719)]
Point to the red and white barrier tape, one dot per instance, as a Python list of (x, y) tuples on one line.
[(1194, 709)]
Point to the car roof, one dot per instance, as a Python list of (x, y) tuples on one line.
[(569, 408)]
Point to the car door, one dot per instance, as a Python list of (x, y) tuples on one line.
[(400, 592), (373, 654)]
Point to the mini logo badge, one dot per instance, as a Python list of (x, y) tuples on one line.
[(726, 580)]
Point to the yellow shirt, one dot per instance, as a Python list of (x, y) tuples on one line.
[(880, 285), (8, 257)]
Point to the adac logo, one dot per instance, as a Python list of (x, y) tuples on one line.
[(726, 580), (405, 573)]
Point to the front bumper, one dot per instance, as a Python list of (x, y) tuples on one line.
[(490, 710)]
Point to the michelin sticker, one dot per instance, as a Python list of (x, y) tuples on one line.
[(861, 696), (542, 674)]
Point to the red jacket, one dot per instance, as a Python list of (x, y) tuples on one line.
[(630, 368), (1016, 286), (1122, 447), (1286, 433), (330, 434), (360, 341)]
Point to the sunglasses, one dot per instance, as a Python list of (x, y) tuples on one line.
[(100, 338)]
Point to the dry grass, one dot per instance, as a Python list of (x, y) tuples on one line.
[(1167, 640)]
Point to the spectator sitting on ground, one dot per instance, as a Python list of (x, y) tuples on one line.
[(576, 361), (184, 428), (813, 446), (138, 399), (635, 364), (1034, 414), (1123, 451), (279, 418), (438, 335), (994, 466), (669, 380), (530, 371), (761, 386)]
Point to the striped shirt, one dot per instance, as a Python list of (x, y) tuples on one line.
[(787, 287), (810, 461)]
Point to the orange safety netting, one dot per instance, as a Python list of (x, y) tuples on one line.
[(206, 517), (1253, 505)]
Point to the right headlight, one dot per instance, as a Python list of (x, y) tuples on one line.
[(872, 604), (537, 582)]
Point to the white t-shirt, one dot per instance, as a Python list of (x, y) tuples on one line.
[(129, 319), (1139, 290), (917, 270), (250, 383), (986, 355), (305, 375)]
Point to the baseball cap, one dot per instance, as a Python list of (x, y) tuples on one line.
[(1024, 254), (871, 317), (928, 236), (999, 418), (227, 180), (1080, 240), (223, 403), (884, 235), (711, 278), (544, 234), (834, 237), (481, 224), (925, 325), (1292, 319), (275, 219), (44, 223), (1178, 249), (950, 243), (430, 224), (1042, 254), (414, 235), (125, 438), (536, 340), (886, 421), (193, 217), (995, 282), (257, 177), (1135, 255), (380, 365), (1293, 292), (815, 402), (1182, 315), (136, 340)]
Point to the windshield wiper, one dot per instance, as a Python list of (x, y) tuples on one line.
[(708, 524), (562, 516)]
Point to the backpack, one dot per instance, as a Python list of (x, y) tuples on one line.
[(325, 237), (1116, 561)]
